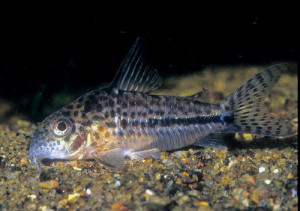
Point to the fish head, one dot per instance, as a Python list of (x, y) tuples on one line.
[(59, 136)]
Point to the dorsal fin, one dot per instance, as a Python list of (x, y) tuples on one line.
[(136, 73)]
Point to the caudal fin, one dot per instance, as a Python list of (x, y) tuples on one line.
[(247, 105)]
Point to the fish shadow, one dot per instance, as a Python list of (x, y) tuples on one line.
[(231, 143), (48, 161), (263, 143)]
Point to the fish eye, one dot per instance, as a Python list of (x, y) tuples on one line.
[(61, 127)]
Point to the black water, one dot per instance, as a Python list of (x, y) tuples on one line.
[(47, 55)]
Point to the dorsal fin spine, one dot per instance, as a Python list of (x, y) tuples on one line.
[(136, 73)]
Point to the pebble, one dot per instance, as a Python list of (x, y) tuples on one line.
[(11, 175), (73, 198), (294, 193), (118, 183), (169, 185), (32, 196), (261, 169), (116, 176), (246, 202), (149, 192), (276, 207), (268, 181), (157, 176)]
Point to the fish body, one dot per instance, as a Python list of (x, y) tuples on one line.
[(125, 120)]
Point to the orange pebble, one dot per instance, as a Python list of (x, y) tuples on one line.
[(54, 184), (74, 163), (119, 206), (185, 174), (204, 203)]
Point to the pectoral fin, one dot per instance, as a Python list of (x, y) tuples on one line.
[(155, 153), (112, 158)]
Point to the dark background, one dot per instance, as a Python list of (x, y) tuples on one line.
[(49, 56)]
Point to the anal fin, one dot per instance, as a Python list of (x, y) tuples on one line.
[(155, 153), (112, 158)]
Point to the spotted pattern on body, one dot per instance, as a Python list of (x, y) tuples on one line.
[(125, 120)]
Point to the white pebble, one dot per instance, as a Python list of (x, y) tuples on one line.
[(276, 171), (178, 154), (149, 192), (88, 191), (180, 194), (294, 192), (116, 175), (261, 169), (169, 185), (267, 181), (76, 168), (276, 207), (117, 184), (33, 196)]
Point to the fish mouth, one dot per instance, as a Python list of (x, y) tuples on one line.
[(35, 160), (38, 151), (34, 151)]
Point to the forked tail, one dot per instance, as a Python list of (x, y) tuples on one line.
[(247, 105)]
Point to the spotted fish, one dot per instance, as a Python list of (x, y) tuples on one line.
[(125, 120)]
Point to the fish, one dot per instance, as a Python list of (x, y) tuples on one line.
[(125, 120)]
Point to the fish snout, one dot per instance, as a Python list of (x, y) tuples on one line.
[(37, 151), (33, 158)]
